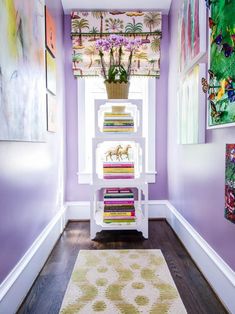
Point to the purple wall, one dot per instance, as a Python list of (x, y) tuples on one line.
[(158, 191), (31, 177), (74, 191), (81, 192), (196, 172)]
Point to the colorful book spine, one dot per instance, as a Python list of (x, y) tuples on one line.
[(123, 202), (119, 206), (118, 170), (111, 114), (127, 130), (119, 177), (117, 118), (122, 211), (122, 122), (118, 165), (119, 199), (125, 195), (119, 220)]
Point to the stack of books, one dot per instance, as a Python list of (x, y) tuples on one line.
[(119, 170), (118, 122), (119, 206)]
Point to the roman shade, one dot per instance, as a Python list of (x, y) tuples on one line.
[(87, 27)]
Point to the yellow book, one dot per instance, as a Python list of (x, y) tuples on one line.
[(110, 114), (119, 130), (113, 214), (119, 170)]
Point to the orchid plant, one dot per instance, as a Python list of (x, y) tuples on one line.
[(116, 46)]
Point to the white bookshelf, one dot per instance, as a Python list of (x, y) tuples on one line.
[(101, 144), (141, 208), (132, 106), (100, 147)]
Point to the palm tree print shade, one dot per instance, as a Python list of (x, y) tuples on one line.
[(87, 27)]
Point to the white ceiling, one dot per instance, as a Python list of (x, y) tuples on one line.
[(161, 5)]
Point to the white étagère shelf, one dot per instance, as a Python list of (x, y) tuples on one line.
[(119, 198)]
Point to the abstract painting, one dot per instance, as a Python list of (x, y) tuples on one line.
[(230, 183), (51, 113), (221, 83), (191, 107), (50, 33), (192, 34), (50, 73), (22, 70)]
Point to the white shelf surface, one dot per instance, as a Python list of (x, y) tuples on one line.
[(130, 183), (120, 136)]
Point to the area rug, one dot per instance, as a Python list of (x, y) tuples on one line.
[(123, 282)]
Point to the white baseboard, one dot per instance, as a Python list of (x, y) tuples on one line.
[(78, 210), (220, 276), (15, 287), (157, 209)]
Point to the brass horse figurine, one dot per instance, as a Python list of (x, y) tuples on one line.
[(125, 152), (113, 152)]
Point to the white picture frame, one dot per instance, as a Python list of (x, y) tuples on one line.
[(191, 107)]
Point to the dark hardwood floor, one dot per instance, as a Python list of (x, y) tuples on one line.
[(46, 295)]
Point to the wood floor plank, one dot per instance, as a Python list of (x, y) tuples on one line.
[(47, 293)]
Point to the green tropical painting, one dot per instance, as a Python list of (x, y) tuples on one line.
[(222, 63)]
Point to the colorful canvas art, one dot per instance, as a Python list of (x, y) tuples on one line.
[(87, 27), (50, 73), (51, 113), (192, 35), (221, 83), (22, 70), (191, 108), (230, 183), (50, 33)]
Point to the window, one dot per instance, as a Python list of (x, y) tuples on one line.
[(90, 89)]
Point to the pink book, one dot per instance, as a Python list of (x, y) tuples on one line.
[(119, 177), (130, 165), (111, 191), (119, 202)]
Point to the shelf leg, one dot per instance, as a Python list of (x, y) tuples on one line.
[(92, 234), (92, 226), (145, 233), (146, 225)]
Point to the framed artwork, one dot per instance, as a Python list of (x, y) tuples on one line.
[(230, 182), (221, 80), (51, 113), (50, 72), (191, 34), (22, 71), (50, 33), (191, 107)]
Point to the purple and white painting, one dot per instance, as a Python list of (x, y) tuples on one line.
[(22, 70)]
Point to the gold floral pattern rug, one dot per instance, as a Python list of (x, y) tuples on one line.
[(121, 281)]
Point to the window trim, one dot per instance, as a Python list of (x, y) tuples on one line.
[(84, 177)]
